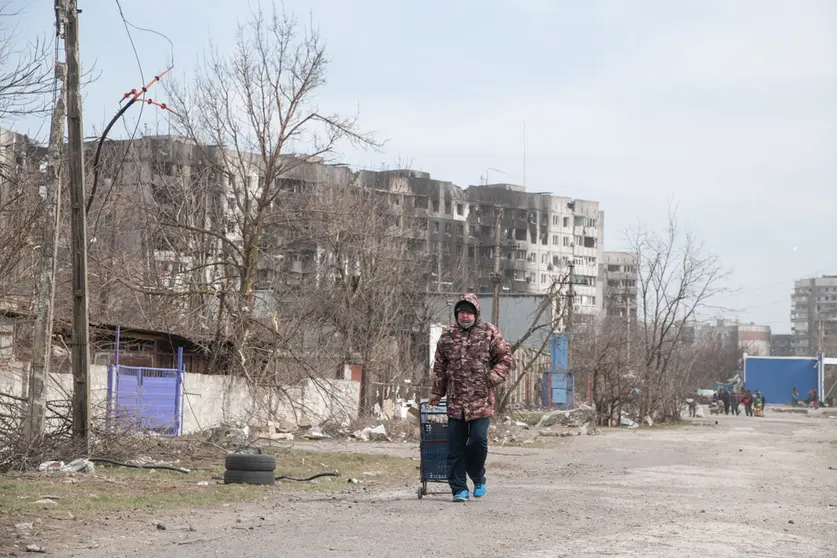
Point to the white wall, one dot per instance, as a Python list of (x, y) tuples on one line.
[(210, 401), (14, 381)]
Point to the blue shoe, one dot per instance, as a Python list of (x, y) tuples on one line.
[(479, 490), (461, 496)]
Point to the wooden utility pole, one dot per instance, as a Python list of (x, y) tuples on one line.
[(75, 163), (496, 278), (42, 342)]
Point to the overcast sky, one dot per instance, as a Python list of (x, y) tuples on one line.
[(726, 108)]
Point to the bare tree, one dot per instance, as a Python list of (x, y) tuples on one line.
[(42, 341), (20, 209), (549, 318), (25, 70), (255, 106), (677, 278)]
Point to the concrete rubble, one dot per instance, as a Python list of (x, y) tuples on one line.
[(571, 417), (316, 434), (274, 430), (372, 434), (80, 465)]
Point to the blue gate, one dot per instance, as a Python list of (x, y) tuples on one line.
[(557, 390), (147, 399)]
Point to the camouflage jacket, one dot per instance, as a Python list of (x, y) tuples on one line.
[(469, 364)]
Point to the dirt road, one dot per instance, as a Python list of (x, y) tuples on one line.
[(699, 490)]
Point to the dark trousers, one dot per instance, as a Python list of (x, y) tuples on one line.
[(467, 450), (726, 407), (748, 409)]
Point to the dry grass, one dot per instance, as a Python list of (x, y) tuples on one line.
[(116, 489)]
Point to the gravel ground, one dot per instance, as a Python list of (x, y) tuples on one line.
[(744, 486)]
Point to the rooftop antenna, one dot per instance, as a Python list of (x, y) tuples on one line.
[(524, 154)]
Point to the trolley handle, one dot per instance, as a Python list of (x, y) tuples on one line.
[(423, 405)]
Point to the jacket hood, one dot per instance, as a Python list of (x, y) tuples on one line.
[(468, 298)]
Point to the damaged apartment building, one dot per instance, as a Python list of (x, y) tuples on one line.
[(542, 236)]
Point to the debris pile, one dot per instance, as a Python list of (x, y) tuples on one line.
[(573, 418), (80, 465), (372, 434)]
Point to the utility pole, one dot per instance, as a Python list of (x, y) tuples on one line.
[(496, 278), (42, 342), (75, 163), (568, 329)]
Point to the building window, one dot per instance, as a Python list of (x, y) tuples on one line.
[(543, 278), (543, 258), (578, 221), (591, 222), (566, 241), (472, 230), (435, 226), (555, 239), (556, 220), (447, 228), (460, 209), (436, 206), (521, 254)]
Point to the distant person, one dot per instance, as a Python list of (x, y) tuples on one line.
[(725, 399), (816, 399), (692, 403), (747, 401), (734, 402), (794, 400), (759, 400)]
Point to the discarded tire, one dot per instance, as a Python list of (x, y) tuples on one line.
[(248, 477), (250, 462)]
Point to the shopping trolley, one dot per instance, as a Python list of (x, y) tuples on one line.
[(433, 444)]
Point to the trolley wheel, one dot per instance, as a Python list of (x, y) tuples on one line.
[(420, 492), (424, 489)]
